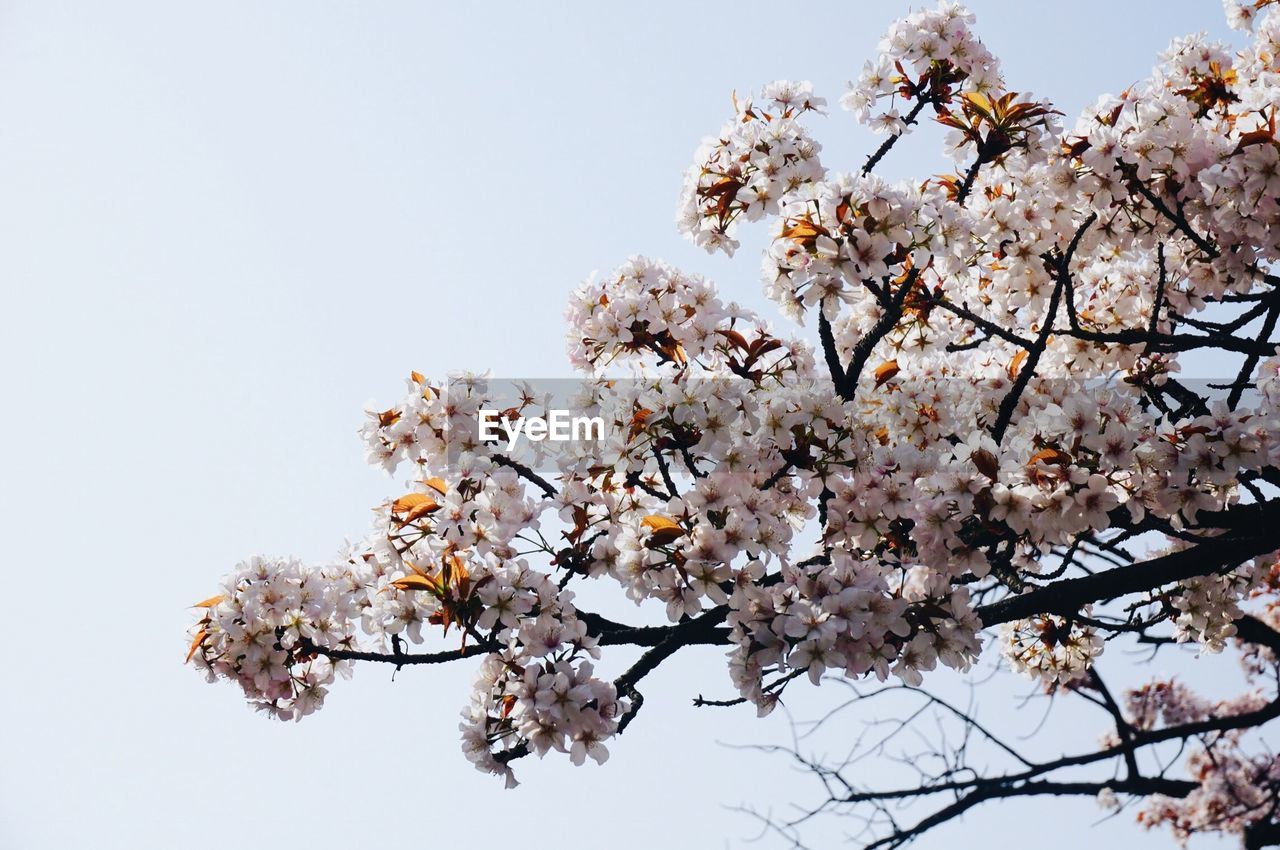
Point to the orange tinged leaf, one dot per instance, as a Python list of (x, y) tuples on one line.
[(726, 188), (453, 571), (978, 99), (805, 231), (802, 229), (986, 463), (1075, 146), (414, 506), (200, 638), (886, 371), (663, 530), (420, 511), (210, 602), (736, 338), (437, 484), (1048, 456), (1016, 363), (1259, 136), (763, 345), (638, 420), (414, 582)]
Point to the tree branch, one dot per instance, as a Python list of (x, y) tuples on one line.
[(1215, 555)]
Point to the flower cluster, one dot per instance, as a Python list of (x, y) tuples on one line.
[(922, 58), (552, 704), (1208, 607), (1054, 649), (1241, 14), (439, 557), (261, 630), (832, 235), (762, 154), (540, 690), (647, 311), (842, 614), (1234, 788)]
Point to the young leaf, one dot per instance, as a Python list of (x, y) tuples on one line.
[(200, 638), (663, 529), (886, 371)]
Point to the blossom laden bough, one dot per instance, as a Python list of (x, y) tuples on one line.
[(980, 425)]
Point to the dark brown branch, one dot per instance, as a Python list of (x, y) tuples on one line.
[(1178, 221), (1251, 362), (1252, 630), (1063, 281), (1009, 403), (700, 629), (831, 356), (1140, 787), (1215, 555), (1173, 343), (612, 635), (980, 323), (887, 144), (887, 322), (1123, 729), (666, 473), (966, 186)]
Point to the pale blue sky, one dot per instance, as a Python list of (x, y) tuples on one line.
[(226, 226)]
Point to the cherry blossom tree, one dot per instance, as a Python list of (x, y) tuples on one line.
[(974, 433)]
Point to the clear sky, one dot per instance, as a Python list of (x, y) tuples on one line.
[(224, 228)]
